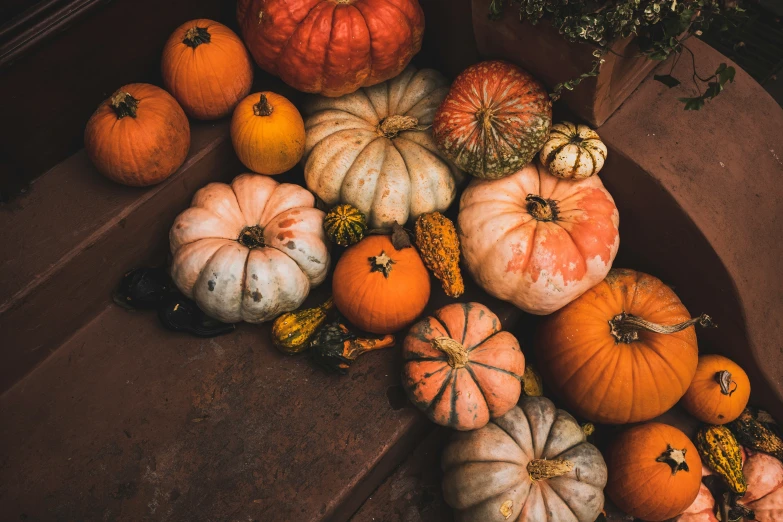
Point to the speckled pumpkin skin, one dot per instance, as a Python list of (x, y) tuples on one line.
[(464, 398), (494, 120)]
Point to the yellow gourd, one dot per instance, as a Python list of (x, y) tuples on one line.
[(436, 239), (722, 454), (293, 330)]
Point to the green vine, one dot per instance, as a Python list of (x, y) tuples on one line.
[(660, 26)]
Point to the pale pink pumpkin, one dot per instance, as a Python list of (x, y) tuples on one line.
[(701, 510), (764, 475), (536, 240)]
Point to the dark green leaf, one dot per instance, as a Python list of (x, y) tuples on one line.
[(693, 104), (726, 74), (667, 79), (713, 89)]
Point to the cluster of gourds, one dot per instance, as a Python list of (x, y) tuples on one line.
[(384, 145)]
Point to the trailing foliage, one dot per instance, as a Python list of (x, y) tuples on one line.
[(660, 27)]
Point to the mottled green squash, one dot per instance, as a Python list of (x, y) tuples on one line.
[(345, 225), (292, 331), (752, 433)]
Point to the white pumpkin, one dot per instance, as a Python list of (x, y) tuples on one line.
[(373, 149), (249, 251), (573, 151)]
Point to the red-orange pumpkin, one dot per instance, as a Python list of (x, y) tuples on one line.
[(719, 391), (378, 288), (332, 47), (625, 351), (654, 472), (139, 136), (206, 68), (460, 368), (494, 120)]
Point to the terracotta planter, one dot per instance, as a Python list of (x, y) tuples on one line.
[(543, 52)]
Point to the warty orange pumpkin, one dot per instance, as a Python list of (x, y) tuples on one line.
[(654, 471), (460, 368), (332, 47), (268, 133), (139, 136), (625, 351), (206, 68), (719, 391), (378, 288)]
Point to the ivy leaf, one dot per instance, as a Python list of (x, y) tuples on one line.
[(713, 89), (667, 79), (725, 74), (693, 104)]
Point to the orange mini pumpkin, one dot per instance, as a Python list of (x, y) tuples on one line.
[(625, 351), (654, 472), (206, 68), (139, 136), (378, 288), (719, 391), (268, 133), (460, 368)]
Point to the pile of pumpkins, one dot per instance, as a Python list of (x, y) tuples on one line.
[(384, 145)]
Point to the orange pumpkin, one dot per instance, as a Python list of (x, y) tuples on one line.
[(139, 136), (719, 391), (460, 368), (654, 472), (268, 133), (378, 288), (633, 370), (206, 68)]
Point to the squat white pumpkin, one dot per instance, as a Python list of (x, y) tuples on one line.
[(373, 149), (573, 151), (249, 251)]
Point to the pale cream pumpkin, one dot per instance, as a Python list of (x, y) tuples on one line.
[(536, 240), (573, 151), (373, 149), (249, 251), (533, 464)]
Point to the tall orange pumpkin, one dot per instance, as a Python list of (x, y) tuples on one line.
[(268, 133), (494, 120), (460, 368), (332, 47), (378, 288), (206, 68), (625, 351), (139, 136), (719, 391), (654, 471)]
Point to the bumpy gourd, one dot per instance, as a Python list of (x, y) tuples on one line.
[(345, 225), (753, 434), (722, 454), (532, 386), (292, 331), (437, 241), (573, 151)]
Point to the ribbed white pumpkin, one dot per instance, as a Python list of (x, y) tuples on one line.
[(573, 151), (373, 149), (249, 251)]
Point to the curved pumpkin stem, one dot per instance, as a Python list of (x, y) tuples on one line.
[(393, 125), (457, 354), (674, 458), (540, 208), (725, 381), (124, 104), (196, 36), (542, 469), (263, 107), (625, 327)]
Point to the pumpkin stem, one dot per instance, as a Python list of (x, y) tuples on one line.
[(263, 108), (457, 354), (124, 104), (674, 458), (625, 327), (484, 116), (381, 263), (252, 237), (393, 125), (196, 36), (540, 208), (723, 378), (542, 469)]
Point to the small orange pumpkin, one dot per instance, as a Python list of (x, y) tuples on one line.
[(460, 368), (206, 68), (139, 136), (719, 391), (268, 133), (378, 288), (654, 471)]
